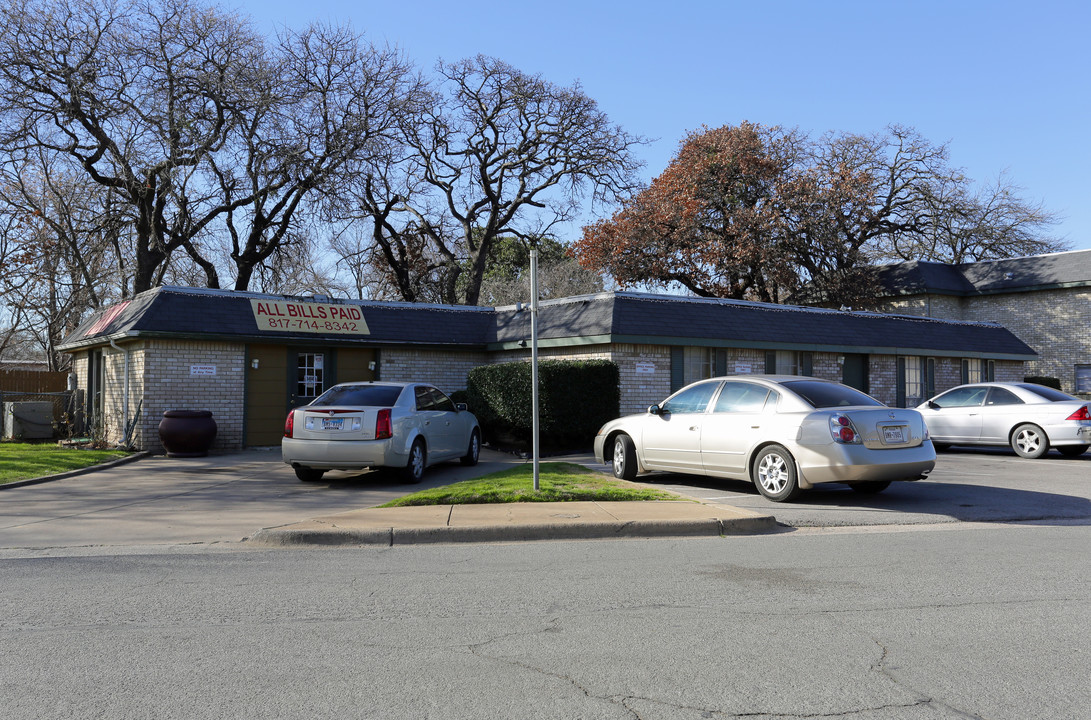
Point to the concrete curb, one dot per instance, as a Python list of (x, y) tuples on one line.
[(75, 473), (692, 527)]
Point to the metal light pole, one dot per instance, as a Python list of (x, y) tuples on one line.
[(534, 358)]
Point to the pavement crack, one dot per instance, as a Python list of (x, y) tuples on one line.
[(476, 649), (883, 669)]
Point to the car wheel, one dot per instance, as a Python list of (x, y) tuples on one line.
[(1029, 441), (870, 487), (473, 452), (414, 469), (309, 474), (774, 474), (1072, 450), (624, 457)]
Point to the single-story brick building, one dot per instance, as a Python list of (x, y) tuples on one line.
[(250, 357)]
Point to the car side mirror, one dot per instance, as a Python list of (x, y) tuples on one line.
[(932, 404), (461, 407), (655, 410)]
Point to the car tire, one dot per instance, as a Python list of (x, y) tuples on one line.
[(1072, 450), (940, 446), (774, 474), (307, 474), (413, 471), (624, 460), (1029, 441), (870, 487), (473, 451)]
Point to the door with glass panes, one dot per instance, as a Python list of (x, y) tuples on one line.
[(312, 372)]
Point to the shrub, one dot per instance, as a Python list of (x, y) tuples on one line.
[(575, 397), (1047, 381)]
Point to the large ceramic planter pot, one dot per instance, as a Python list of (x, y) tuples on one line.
[(187, 433)]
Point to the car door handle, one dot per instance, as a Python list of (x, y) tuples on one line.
[(694, 427)]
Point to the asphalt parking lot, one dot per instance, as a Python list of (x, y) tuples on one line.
[(967, 485)]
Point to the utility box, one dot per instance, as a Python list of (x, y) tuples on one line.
[(28, 420)]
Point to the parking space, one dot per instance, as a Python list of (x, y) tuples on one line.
[(968, 485)]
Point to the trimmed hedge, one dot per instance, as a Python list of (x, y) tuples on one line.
[(575, 397), (1047, 381)]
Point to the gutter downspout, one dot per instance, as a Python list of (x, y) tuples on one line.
[(125, 397)]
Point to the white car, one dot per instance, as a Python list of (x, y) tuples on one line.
[(1030, 418), (784, 433), (352, 426)]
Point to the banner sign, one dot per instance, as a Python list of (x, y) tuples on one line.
[(309, 317)]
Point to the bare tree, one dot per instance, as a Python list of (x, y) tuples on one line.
[(967, 225), (138, 93), (331, 108), (62, 247), (497, 152)]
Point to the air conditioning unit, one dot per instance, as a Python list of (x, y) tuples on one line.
[(28, 420)]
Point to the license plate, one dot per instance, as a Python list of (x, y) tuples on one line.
[(333, 423), (894, 434)]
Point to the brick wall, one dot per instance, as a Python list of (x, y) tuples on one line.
[(1053, 322), (445, 369), (164, 369)]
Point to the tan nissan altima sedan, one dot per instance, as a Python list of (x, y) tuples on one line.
[(785, 433), (351, 426)]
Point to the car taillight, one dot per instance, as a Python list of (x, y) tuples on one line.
[(289, 424), (1081, 414), (842, 430), (382, 425)]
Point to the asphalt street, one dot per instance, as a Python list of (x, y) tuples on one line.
[(949, 621), (130, 593)]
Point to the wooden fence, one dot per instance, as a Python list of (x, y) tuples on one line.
[(32, 381)]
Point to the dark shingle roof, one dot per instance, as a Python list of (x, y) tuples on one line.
[(606, 317), (1036, 272), (195, 312)]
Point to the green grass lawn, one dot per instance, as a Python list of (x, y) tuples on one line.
[(23, 461), (557, 482)]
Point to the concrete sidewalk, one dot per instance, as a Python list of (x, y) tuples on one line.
[(513, 522)]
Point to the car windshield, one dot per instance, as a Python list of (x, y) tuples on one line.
[(1047, 392), (370, 395), (826, 395)]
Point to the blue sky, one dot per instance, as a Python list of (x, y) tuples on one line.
[(1006, 84)]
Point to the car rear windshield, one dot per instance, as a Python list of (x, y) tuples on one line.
[(369, 395), (1047, 392), (826, 395)]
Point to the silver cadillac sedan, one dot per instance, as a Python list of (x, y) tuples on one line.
[(784, 433), (407, 426), (1030, 418)]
